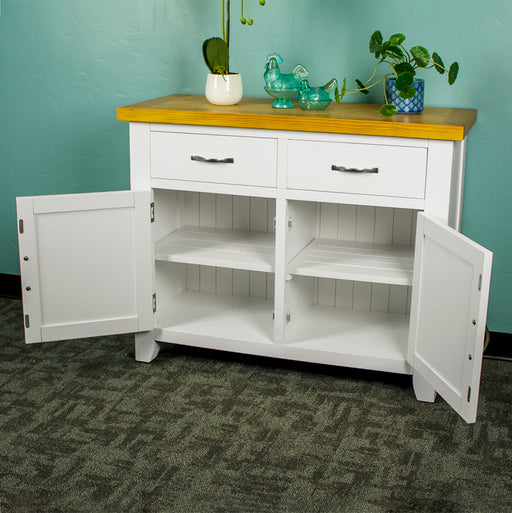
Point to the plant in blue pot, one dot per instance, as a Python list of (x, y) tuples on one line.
[(223, 87), (403, 91)]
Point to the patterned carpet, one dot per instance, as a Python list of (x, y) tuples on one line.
[(84, 428)]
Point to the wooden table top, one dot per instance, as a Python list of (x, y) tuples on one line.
[(345, 118)]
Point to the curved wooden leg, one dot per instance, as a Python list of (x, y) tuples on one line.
[(424, 392), (146, 348)]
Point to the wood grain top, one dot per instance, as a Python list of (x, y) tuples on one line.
[(346, 118)]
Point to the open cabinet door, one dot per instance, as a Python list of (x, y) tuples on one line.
[(85, 264), (448, 313)]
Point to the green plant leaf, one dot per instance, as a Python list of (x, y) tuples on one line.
[(388, 110), (403, 67), (375, 42), (394, 52), (362, 87), (438, 63), (383, 49), (453, 72), (338, 95), (396, 39), (408, 92), (216, 55), (421, 56), (403, 81)]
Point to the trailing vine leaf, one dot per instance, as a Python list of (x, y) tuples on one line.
[(395, 52), (338, 95), (383, 50), (408, 92), (375, 43), (362, 88), (397, 39), (403, 81), (438, 63), (388, 110), (453, 72), (404, 67), (344, 87), (421, 56)]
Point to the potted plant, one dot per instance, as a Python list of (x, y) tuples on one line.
[(222, 86), (403, 92)]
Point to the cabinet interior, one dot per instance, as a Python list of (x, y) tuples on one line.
[(343, 269)]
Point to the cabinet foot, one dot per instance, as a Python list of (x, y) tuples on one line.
[(424, 392), (146, 348)]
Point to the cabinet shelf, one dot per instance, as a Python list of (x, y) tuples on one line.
[(215, 321), (352, 338), (377, 263), (235, 249)]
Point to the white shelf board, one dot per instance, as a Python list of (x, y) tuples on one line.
[(326, 335), (203, 319), (358, 261), (351, 338), (235, 249)]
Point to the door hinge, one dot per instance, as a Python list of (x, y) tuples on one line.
[(480, 282), (152, 211), (469, 394), (27, 321), (289, 223), (287, 317), (154, 303), (20, 225)]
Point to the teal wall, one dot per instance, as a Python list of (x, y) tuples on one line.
[(67, 64)]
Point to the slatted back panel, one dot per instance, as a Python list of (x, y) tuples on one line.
[(364, 224), (231, 212)]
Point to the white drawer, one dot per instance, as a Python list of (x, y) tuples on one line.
[(214, 158), (369, 169)]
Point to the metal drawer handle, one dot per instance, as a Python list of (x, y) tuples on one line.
[(197, 158), (344, 169)]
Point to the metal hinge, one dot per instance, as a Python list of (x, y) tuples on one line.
[(20, 225), (469, 394), (152, 211), (154, 303), (288, 316), (480, 282), (289, 223), (27, 321)]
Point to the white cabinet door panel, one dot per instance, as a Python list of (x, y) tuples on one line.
[(448, 313), (85, 264)]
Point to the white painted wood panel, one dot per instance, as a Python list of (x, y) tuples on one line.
[(362, 339), (400, 171), (228, 159), (376, 263), (448, 315), (209, 317), (86, 269)]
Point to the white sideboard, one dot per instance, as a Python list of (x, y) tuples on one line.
[(329, 237)]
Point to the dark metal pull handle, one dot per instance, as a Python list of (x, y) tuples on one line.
[(344, 169), (197, 158)]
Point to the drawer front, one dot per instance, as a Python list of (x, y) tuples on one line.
[(214, 158), (371, 169)]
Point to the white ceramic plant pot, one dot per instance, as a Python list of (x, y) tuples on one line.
[(224, 89)]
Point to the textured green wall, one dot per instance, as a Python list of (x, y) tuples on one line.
[(67, 64)]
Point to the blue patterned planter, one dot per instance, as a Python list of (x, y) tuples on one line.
[(413, 105)]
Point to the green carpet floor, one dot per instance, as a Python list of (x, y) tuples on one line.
[(85, 428)]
